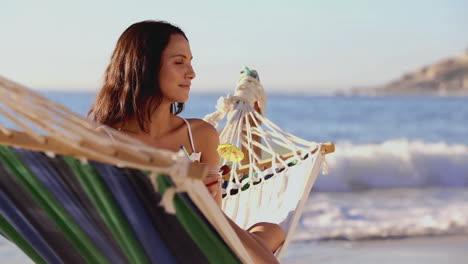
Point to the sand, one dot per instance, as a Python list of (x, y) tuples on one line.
[(424, 250)]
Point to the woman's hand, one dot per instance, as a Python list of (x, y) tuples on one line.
[(213, 183), (213, 180)]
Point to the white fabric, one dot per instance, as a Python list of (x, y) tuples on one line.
[(279, 199), (284, 190)]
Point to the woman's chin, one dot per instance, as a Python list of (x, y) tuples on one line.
[(183, 96), (182, 99)]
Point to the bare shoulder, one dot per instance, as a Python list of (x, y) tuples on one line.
[(203, 128), (206, 140)]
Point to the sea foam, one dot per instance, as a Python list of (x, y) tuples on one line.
[(384, 213), (395, 163)]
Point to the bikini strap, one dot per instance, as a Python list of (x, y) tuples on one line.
[(190, 134)]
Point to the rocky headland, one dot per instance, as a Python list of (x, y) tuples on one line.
[(446, 77)]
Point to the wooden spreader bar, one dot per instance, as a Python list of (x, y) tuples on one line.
[(328, 147), (91, 151)]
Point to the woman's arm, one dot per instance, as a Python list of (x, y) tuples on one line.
[(207, 141)]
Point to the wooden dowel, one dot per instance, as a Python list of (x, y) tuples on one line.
[(24, 140), (327, 148)]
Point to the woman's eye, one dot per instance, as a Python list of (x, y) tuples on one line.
[(179, 62)]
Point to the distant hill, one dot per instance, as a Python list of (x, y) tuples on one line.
[(446, 77)]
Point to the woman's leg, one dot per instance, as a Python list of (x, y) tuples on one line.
[(271, 234), (254, 244)]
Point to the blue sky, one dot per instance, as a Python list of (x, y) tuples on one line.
[(303, 46)]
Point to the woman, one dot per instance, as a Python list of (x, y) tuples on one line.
[(146, 85)]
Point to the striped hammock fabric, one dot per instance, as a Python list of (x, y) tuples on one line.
[(61, 210)]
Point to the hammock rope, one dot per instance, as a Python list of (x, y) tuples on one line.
[(268, 186)]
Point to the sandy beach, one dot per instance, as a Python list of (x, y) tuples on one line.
[(423, 250), (415, 250)]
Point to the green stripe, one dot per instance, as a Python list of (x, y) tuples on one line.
[(16, 238), (51, 206), (109, 210), (212, 246)]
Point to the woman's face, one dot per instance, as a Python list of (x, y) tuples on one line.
[(176, 73)]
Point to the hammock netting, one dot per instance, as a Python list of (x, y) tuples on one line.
[(69, 193), (266, 186)]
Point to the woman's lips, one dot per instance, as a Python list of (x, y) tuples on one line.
[(185, 86)]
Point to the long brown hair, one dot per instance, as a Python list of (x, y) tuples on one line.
[(131, 84)]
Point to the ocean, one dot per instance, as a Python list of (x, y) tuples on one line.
[(397, 184)]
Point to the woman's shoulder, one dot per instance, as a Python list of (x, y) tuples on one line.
[(201, 127), (206, 140)]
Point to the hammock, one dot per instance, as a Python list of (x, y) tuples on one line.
[(271, 187), (70, 194)]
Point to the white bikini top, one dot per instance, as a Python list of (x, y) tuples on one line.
[(195, 156)]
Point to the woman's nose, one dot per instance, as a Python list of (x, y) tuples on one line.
[(191, 73)]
